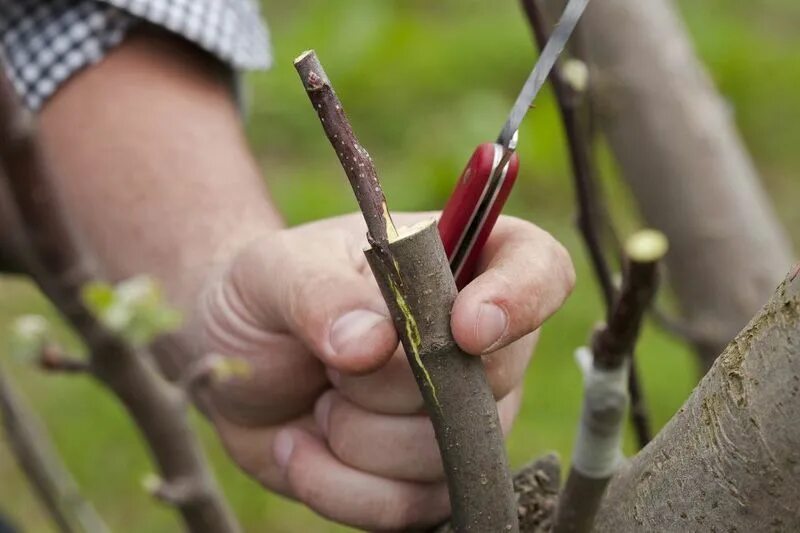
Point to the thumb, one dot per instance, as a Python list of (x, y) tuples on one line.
[(313, 288)]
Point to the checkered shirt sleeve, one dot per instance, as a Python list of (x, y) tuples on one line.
[(44, 42)]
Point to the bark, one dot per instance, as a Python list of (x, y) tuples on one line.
[(536, 487), (454, 386), (728, 461), (677, 146), (36, 456), (354, 158)]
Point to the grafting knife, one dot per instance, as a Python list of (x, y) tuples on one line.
[(473, 208)]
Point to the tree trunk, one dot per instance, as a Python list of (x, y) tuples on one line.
[(678, 148), (730, 459)]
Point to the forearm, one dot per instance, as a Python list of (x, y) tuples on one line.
[(153, 166)]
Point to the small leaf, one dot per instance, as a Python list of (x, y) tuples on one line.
[(98, 296), (135, 309)]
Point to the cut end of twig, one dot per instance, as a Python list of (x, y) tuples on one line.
[(311, 72), (302, 56), (647, 246), (406, 231), (401, 232)]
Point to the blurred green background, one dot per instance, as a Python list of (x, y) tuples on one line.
[(423, 83)]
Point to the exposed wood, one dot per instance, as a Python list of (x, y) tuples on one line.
[(616, 341)]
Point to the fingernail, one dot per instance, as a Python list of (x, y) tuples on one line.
[(322, 412), (282, 448), (490, 326), (348, 331)]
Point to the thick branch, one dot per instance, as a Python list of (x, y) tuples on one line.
[(536, 487), (414, 276), (675, 140), (457, 394), (60, 269), (37, 458), (728, 459)]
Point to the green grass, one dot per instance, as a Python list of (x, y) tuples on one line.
[(423, 83)]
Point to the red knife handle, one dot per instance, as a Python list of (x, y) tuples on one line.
[(473, 208)]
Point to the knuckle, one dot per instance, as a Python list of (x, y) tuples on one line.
[(340, 431), (305, 303), (399, 512)]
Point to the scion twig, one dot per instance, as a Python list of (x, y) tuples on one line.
[(355, 160)]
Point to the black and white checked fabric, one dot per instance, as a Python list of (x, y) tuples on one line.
[(44, 42)]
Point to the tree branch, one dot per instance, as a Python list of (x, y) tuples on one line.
[(38, 459), (414, 276), (53, 358), (677, 146), (536, 487), (583, 170), (61, 270), (728, 459), (598, 450)]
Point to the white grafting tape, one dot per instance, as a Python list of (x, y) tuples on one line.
[(598, 447)]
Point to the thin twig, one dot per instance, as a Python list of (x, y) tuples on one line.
[(37, 458), (583, 170), (61, 270), (53, 358), (616, 341), (590, 217), (355, 160)]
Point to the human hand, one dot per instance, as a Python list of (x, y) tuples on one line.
[(330, 414)]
